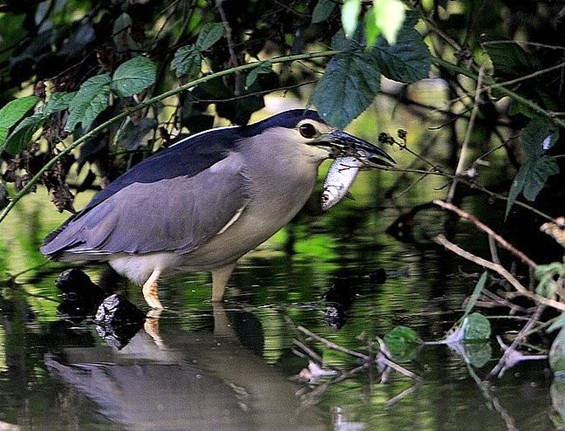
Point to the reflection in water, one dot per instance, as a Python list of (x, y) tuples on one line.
[(175, 380)]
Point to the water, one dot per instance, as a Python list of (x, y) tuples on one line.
[(202, 367)]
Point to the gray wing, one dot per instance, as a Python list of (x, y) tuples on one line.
[(174, 214)]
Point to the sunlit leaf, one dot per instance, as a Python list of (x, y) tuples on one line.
[(389, 16), (477, 327), (209, 35), (349, 85), (89, 101), (187, 61), (13, 112), (323, 10), (22, 134), (402, 342), (134, 76), (372, 30), (350, 11)]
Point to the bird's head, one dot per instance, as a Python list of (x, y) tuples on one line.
[(307, 128)]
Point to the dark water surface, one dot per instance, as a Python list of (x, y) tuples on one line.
[(232, 367)]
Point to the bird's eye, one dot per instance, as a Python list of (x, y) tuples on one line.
[(307, 130)]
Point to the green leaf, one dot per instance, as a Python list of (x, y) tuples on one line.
[(134, 76), (372, 31), (532, 136), (58, 102), (350, 11), (131, 135), (476, 293), (209, 35), (402, 343), (89, 101), (510, 59), (187, 61), (538, 167), (477, 353), (22, 135), (389, 16), (323, 10), (408, 60), (122, 39), (557, 353), (349, 85), (477, 327), (13, 112), (265, 67)]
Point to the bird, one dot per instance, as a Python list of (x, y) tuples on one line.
[(205, 201)]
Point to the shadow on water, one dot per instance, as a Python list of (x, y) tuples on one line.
[(203, 367)]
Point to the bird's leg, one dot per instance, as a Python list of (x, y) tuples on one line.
[(150, 292), (220, 279)]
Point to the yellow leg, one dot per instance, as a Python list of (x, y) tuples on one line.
[(150, 292), (220, 279)]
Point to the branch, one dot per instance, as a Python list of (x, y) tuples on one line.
[(285, 59), (442, 240), (492, 234)]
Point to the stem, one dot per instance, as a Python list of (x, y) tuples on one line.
[(285, 59)]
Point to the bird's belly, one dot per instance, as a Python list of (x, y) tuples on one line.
[(257, 223)]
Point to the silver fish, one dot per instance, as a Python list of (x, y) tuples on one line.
[(341, 175)]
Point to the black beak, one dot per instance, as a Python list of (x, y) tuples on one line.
[(347, 144)]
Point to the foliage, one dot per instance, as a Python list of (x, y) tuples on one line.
[(119, 80)]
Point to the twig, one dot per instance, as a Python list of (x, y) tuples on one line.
[(441, 239), (488, 231), (333, 345), (35, 179), (467, 139)]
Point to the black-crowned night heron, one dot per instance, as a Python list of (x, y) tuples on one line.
[(206, 201)]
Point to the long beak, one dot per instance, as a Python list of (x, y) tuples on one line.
[(347, 144)]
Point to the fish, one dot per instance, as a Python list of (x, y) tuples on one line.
[(341, 174)]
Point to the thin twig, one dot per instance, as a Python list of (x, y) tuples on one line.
[(441, 239), (332, 345), (480, 225)]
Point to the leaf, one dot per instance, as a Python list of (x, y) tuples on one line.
[(349, 85), (58, 102), (372, 30), (13, 112), (510, 59), (402, 342), (323, 10), (532, 136), (209, 35), (538, 167), (89, 101), (264, 67), (477, 353), (120, 34), (350, 11), (477, 327), (557, 353), (22, 135), (187, 61), (389, 16), (134, 76), (408, 60), (131, 135), (476, 293)]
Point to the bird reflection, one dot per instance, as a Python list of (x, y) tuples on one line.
[(167, 378)]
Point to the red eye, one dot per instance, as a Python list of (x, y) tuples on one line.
[(307, 130)]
